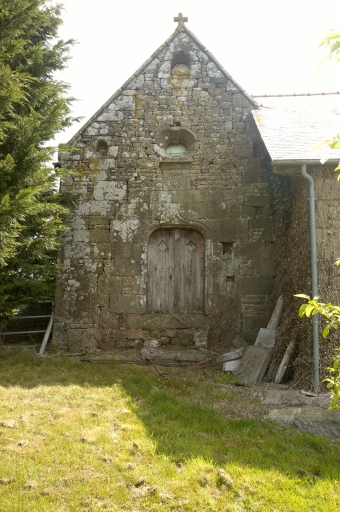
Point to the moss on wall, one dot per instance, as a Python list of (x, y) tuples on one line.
[(292, 240)]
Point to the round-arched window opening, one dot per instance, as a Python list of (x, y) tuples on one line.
[(176, 149), (102, 146)]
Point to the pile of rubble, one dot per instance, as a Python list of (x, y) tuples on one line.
[(251, 362)]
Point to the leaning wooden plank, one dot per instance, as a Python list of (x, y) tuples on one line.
[(285, 362), (275, 319)]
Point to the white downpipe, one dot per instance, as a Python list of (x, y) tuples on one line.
[(314, 273)]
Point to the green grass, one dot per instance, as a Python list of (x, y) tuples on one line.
[(87, 437)]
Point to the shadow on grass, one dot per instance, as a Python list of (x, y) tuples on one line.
[(181, 428)]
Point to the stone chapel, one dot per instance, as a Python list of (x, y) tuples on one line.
[(175, 233)]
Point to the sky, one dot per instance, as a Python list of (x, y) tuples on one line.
[(268, 47)]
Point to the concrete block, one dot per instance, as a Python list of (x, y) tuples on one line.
[(231, 366), (254, 363), (266, 338), (232, 356)]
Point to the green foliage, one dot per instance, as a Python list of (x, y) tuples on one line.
[(332, 43), (332, 315), (313, 307), (333, 382), (33, 108)]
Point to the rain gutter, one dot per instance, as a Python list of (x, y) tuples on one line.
[(329, 161)]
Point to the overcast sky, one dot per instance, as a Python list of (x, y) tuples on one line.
[(268, 47)]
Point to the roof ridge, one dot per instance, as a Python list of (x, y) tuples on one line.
[(294, 94)]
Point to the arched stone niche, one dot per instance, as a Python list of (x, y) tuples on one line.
[(172, 136), (180, 65), (101, 146)]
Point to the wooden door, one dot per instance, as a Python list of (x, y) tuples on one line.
[(176, 271)]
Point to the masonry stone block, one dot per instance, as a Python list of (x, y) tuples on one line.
[(127, 303), (257, 200), (260, 222), (228, 231), (98, 234), (78, 314), (262, 285), (243, 150), (109, 284), (134, 334), (239, 100), (251, 250)]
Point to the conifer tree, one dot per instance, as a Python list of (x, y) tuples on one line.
[(34, 106)]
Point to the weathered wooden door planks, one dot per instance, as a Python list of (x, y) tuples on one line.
[(176, 271)]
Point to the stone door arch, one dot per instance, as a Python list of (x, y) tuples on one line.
[(176, 271)]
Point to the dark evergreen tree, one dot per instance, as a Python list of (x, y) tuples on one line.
[(34, 106)]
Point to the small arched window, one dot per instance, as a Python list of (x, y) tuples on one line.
[(102, 146)]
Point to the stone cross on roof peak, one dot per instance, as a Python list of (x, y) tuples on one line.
[(181, 19)]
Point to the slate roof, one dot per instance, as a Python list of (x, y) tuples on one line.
[(291, 126)]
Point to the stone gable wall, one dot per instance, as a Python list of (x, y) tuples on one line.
[(219, 188)]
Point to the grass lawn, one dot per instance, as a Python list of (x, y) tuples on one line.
[(88, 437)]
